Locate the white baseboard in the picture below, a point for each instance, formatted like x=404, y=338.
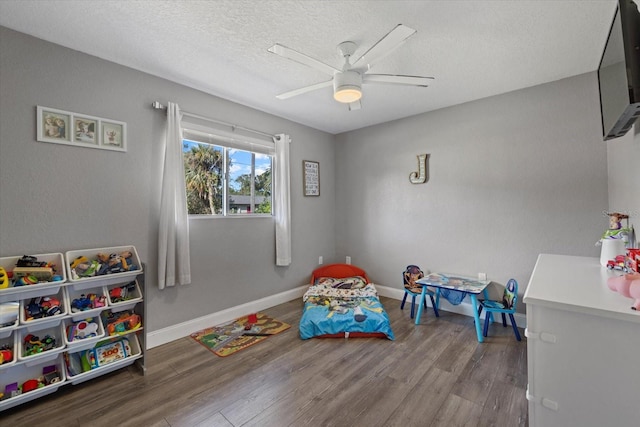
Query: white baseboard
x=184, y=329
x=464, y=308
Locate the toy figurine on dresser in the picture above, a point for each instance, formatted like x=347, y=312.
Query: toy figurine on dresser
x=627, y=285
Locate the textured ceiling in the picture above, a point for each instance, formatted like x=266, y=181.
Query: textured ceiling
x=474, y=49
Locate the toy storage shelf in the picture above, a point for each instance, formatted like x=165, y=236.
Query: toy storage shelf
x=67, y=288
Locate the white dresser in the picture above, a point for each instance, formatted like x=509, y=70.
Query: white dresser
x=583, y=346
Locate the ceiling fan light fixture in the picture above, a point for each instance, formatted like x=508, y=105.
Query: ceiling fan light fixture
x=347, y=94
x=347, y=86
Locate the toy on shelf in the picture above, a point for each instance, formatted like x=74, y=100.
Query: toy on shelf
x=627, y=263
x=29, y=265
x=28, y=271
x=83, y=267
x=632, y=261
x=49, y=376
x=615, y=240
x=34, y=345
x=123, y=293
x=81, y=330
x=627, y=285
x=120, y=323
x=42, y=307
x=6, y=354
x=101, y=355
x=88, y=302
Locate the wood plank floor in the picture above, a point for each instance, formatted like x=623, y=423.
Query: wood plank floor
x=433, y=374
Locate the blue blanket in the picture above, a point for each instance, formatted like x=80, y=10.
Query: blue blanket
x=329, y=310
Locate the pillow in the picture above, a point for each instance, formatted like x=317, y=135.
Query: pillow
x=355, y=282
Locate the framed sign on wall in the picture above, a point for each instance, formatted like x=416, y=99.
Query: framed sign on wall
x=311, y=178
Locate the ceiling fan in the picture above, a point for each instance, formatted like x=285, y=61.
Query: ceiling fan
x=347, y=82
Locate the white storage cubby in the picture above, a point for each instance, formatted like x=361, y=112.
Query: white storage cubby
x=135, y=354
x=16, y=323
x=72, y=294
x=105, y=279
x=9, y=315
x=35, y=324
x=21, y=373
x=9, y=342
x=75, y=343
x=57, y=347
x=15, y=293
x=133, y=296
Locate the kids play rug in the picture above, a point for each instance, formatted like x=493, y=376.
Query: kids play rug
x=225, y=340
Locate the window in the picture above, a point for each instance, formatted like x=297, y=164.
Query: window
x=226, y=177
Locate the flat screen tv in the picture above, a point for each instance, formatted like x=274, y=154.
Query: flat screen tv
x=619, y=72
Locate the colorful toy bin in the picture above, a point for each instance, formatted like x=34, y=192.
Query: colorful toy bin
x=32, y=280
x=103, y=266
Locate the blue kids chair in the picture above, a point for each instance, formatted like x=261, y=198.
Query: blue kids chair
x=506, y=306
x=409, y=277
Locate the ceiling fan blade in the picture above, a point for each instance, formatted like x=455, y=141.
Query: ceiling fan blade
x=384, y=46
x=305, y=89
x=356, y=105
x=394, y=79
x=301, y=58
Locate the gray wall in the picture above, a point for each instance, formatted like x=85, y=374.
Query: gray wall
x=511, y=176
x=623, y=156
x=55, y=198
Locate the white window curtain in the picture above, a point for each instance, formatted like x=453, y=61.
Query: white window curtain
x=282, y=202
x=174, y=266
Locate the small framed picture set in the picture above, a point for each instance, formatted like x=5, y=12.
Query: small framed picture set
x=86, y=130
x=54, y=125
x=81, y=130
x=113, y=135
x=311, y=178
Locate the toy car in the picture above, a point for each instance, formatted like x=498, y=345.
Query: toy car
x=617, y=263
x=30, y=261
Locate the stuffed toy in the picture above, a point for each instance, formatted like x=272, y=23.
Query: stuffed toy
x=628, y=286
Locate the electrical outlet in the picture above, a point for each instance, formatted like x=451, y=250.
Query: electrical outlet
x=482, y=276
x=348, y=260
x=320, y=260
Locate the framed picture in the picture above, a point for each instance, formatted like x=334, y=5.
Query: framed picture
x=65, y=127
x=86, y=129
x=54, y=125
x=311, y=178
x=113, y=135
